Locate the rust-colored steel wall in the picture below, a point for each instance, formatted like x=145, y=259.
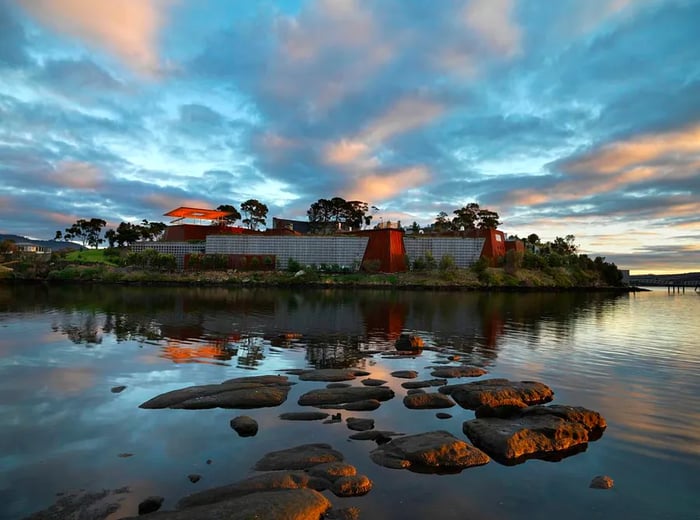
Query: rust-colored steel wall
x=386, y=246
x=494, y=243
x=184, y=232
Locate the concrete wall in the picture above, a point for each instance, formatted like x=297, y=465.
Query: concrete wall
x=465, y=251
x=178, y=249
x=307, y=250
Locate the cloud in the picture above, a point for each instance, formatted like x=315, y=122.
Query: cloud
x=13, y=40
x=128, y=30
x=378, y=187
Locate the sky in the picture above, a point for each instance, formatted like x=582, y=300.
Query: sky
x=576, y=117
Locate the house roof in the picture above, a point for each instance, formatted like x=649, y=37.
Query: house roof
x=206, y=214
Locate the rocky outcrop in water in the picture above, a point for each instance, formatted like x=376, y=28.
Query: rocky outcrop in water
x=437, y=451
x=409, y=342
x=498, y=392
x=545, y=432
x=424, y=401
x=332, y=374
x=241, y=392
x=460, y=371
x=405, y=374
x=352, y=394
x=245, y=426
x=303, y=416
x=424, y=384
x=299, y=457
x=602, y=482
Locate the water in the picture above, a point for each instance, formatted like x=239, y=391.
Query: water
x=633, y=358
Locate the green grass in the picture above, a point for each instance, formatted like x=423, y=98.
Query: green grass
x=93, y=256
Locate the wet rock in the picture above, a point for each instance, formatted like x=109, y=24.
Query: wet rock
x=345, y=395
x=413, y=391
x=331, y=471
x=150, y=504
x=332, y=374
x=425, y=401
x=424, y=384
x=409, y=342
x=286, y=504
x=242, y=392
x=117, y=389
x=437, y=451
x=338, y=385
x=373, y=382
x=359, y=425
x=82, y=505
x=461, y=371
x=335, y=418
x=443, y=415
x=303, y=416
x=276, y=480
x=298, y=457
x=498, y=392
x=352, y=486
x=405, y=374
x=366, y=405
x=209, y=461
x=454, y=358
x=545, y=432
x=244, y=425
x=601, y=482
x=125, y=455
x=504, y=411
x=295, y=371
x=346, y=513
x=194, y=478
x=379, y=436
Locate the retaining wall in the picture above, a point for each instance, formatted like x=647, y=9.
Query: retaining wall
x=465, y=250
x=177, y=249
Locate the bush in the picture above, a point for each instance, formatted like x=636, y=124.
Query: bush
x=430, y=262
x=419, y=264
x=480, y=265
x=513, y=261
x=534, y=261
x=151, y=259
x=371, y=266
x=447, y=262
x=293, y=266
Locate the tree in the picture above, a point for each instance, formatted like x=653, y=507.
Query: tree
x=441, y=222
x=255, y=213
x=233, y=217
x=87, y=231
x=151, y=231
x=533, y=239
x=328, y=215
x=487, y=219
x=111, y=237
x=564, y=246
x=415, y=228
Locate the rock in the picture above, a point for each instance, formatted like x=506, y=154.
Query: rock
x=373, y=382
x=601, y=482
x=352, y=486
x=285, y=504
x=413, y=391
x=405, y=374
x=209, y=461
x=194, y=478
x=345, y=395
x=366, y=405
x=98, y=505
x=437, y=451
x=275, y=480
x=346, y=513
x=498, y=392
x=359, y=425
x=242, y=392
x=117, y=389
x=442, y=415
x=245, y=426
x=460, y=371
x=299, y=457
x=380, y=436
x=332, y=374
x=331, y=471
x=504, y=411
x=125, y=455
x=335, y=418
x=303, y=416
x=544, y=432
x=150, y=504
x=424, y=384
x=409, y=342
x=454, y=358
x=338, y=385
x=430, y=400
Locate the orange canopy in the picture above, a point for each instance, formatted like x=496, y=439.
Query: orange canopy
x=207, y=214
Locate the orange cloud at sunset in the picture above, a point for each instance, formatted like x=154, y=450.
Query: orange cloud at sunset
x=377, y=187
x=78, y=175
x=128, y=30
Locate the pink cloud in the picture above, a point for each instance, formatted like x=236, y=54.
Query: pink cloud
x=492, y=21
x=128, y=30
x=374, y=187
x=78, y=175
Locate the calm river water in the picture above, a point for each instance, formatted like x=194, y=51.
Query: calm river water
x=633, y=358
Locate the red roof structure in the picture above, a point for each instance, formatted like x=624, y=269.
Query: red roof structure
x=200, y=213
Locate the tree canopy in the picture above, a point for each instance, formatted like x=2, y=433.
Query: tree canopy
x=254, y=212
x=86, y=231
x=127, y=233
x=327, y=215
x=233, y=217
x=467, y=218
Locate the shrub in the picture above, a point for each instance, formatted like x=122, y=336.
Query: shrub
x=480, y=265
x=513, y=261
x=293, y=266
x=447, y=262
x=534, y=261
x=371, y=266
x=430, y=262
x=151, y=259
x=419, y=264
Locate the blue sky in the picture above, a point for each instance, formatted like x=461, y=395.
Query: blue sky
x=566, y=117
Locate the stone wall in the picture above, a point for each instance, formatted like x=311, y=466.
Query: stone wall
x=465, y=251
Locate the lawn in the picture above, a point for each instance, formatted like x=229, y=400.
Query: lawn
x=96, y=256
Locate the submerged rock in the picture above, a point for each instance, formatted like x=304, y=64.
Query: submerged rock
x=404, y=374
x=460, y=371
x=359, y=425
x=338, y=385
x=303, y=416
x=244, y=425
x=431, y=452
x=424, y=384
x=345, y=513
x=545, y=432
x=379, y=436
x=242, y=392
x=423, y=401
x=97, y=505
x=298, y=457
x=366, y=405
x=150, y=505
x=602, y=482
x=345, y=395
x=373, y=382
x=442, y=415
x=286, y=504
x=117, y=389
x=332, y=374
x=498, y=392
x=194, y=478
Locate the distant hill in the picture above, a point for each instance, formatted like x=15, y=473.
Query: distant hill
x=54, y=245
